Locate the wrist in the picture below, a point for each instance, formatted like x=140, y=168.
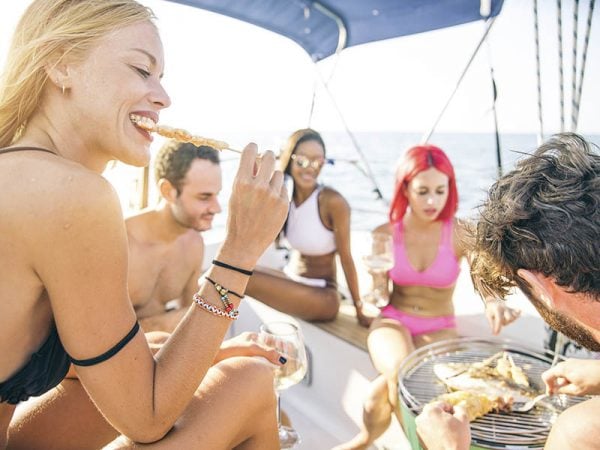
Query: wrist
x=236, y=255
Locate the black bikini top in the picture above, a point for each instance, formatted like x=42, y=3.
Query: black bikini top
x=46, y=368
x=50, y=364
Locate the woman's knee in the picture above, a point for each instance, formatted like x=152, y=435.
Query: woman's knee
x=251, y=375
x=331, y=308
x=576, y=427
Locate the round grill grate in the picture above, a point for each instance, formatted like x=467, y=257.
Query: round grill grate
x=418, y=385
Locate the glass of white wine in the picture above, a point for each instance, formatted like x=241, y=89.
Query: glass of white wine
x=286, y=338
x=379, y=261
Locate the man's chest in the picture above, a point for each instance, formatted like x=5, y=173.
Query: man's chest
x=157, y=275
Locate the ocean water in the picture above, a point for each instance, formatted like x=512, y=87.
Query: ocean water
x=473, y=157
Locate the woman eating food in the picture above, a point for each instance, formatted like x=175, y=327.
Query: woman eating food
x=76, y=74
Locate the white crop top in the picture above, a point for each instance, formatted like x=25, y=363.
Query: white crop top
x=304, y=230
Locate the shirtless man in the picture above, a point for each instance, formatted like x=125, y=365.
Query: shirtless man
x=165, y=245
x=540, y=231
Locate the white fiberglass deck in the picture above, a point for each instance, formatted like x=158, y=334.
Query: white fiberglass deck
x=329, y=411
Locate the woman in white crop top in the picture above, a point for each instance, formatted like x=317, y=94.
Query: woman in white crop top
x=317, y=228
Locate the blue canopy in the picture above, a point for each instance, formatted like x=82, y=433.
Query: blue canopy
x=320, y=27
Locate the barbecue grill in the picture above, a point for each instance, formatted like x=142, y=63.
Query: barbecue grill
x=418, y=385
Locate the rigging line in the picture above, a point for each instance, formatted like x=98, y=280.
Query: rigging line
x=367, y=168
x=427, y=135
x=574, y=66
x=342, y=41
x=495, y=112
x=312, y=103
x=586, y=42
x=315, y=85
x=561, y=77
x=540, y=136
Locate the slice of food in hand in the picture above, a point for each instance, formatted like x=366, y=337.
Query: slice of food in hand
x=476, y=404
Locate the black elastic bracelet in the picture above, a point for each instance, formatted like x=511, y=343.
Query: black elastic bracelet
x=111, y=352
x=219, y=287
x=230, y=267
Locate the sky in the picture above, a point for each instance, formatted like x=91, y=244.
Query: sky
x=223, y=74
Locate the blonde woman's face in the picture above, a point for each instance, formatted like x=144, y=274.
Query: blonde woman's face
x=120, y=76
x=427, y=194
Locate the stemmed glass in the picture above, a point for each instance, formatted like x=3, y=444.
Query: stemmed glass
x=287, y=339
x=379, y=261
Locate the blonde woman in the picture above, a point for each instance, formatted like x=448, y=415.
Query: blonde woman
x=76, y=74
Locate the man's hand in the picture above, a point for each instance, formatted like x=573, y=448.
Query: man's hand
x=499, y=315
x=245, y=344
x=573, y=377
x=442, y=427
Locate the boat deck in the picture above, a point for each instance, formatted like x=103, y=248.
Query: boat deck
x=326, y=408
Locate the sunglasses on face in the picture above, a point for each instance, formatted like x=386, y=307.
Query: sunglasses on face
x=305, y=163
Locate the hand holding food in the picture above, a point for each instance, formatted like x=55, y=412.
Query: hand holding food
x=574, y=377
x=257, y=208
x=258, y=204
x=443, y=427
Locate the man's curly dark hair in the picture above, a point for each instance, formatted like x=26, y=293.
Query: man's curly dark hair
x=543, y=216
x=175, y=158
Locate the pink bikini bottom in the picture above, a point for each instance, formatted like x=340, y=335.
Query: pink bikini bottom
x=418, y=324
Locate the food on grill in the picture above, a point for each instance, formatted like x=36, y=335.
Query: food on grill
x=492, y=384
x=176, y=133
x=476, y=404
x=508, y=369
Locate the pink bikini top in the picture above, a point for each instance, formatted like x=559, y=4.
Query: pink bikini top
x=442, y=273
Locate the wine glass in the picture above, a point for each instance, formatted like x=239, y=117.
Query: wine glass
x=379, y=261
x=287, y=339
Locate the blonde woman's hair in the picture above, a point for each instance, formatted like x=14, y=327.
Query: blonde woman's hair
x=49, y=30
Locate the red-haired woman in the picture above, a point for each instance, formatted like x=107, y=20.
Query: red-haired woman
x=427, y=241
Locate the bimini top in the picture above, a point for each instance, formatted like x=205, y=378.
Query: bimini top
x=321, y=27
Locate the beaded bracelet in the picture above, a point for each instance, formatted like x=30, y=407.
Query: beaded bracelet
x=232, y=314
x=230, y=267
x=223, y=291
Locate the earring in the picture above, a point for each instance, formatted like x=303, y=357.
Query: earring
x=63, y=89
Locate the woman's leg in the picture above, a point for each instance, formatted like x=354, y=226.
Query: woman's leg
x=576, y=428
x=234, y=407
x=62, y=419
x=291, y=297
x=56, y=419
x=389, y=343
